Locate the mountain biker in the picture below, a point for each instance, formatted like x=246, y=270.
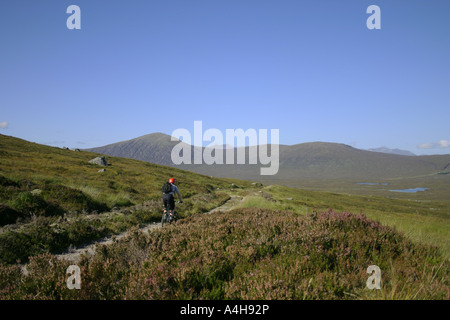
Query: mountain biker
x=168, y=198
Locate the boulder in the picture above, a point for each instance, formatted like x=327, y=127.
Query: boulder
x=101, y=161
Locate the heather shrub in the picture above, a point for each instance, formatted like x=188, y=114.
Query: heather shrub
x=261, y=254
x=248, y=254
x=46, y=280
x=10, y=282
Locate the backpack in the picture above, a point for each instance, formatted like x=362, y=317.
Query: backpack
x=167, y=187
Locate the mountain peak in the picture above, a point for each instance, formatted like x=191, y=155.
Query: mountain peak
x=310, y=160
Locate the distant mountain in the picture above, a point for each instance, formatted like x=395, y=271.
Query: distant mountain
x=154, y=148
x=312, y=161
x=392, y=151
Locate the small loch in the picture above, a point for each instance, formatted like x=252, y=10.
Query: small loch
x=413, y=190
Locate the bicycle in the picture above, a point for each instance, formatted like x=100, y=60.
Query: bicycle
x=169, y=216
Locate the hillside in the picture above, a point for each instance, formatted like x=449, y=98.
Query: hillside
x=61, y=201
x=123, y=182
x=315, y=165
x=52, y=198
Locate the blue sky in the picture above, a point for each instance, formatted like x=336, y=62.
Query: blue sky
x=311, y=69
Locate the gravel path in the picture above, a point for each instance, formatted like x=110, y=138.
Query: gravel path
x=75, y=255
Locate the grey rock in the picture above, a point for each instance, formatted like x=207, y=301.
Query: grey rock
x=101, y=161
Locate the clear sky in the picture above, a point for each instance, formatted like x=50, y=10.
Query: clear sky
x=311, y=69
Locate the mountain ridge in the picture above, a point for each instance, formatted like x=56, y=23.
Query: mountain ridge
x=310, y=160
x=392, y=151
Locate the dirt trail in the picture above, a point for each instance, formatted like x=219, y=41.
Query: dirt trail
x=75, y=255
x=229, y=204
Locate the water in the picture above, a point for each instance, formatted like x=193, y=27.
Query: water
x=414, y=190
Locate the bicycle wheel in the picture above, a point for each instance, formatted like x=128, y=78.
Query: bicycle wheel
x=163, y=219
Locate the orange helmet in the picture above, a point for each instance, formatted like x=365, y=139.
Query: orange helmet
x=171, y=180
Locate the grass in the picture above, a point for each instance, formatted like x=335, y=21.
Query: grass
x=438, y=186
x=278, y=243
x=41, y=186
x=258, y=201
x=413, y=218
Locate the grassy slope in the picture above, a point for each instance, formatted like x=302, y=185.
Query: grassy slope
x=127, y=182
x=427, y=222
x=74, y=202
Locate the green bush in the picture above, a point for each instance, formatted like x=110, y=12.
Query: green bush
x=9, y=215
x=34, y=205
x=72, y=199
